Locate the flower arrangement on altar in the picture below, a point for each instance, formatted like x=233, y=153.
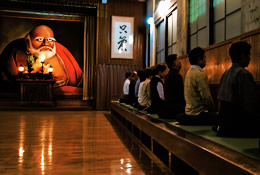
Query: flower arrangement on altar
x=36, y=68
x=30, y=61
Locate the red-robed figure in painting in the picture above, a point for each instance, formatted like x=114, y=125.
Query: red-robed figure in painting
x=37, y=43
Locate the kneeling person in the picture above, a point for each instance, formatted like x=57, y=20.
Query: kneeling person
x=238, y=95
x=199, y=109
x=157, y=89
x=173, y=88
x=144, y=92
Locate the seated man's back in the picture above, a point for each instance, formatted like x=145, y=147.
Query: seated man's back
x=238, y=96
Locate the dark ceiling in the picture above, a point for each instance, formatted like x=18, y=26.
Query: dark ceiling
x=57, y=6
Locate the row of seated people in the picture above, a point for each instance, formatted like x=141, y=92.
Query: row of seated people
x=162, y=91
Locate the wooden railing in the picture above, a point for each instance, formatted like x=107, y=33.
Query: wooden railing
x=182, y=150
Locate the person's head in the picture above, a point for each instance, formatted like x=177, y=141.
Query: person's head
x=173, y=62
x=134, y=75
x=161, y=70
x=41, y=41
x=127, y=75
x=148, y=72
x=240, y=53
x=141, y=75
x=197, y=57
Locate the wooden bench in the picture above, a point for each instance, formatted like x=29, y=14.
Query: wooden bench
x=194, y=149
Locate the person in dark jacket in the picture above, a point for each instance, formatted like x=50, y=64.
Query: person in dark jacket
x=238, y=95
x=131, y=95
x=173, y=89
x=157, y=89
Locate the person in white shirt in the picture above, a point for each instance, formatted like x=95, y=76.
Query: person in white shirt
x=126, y=88
x=126, y=83
x=141, y=78
x=144, y=92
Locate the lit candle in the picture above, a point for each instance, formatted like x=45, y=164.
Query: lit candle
x=50, y=69
x=42, y=58
x=21, y=68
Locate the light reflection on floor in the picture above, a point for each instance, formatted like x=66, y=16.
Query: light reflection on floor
x=67, y=143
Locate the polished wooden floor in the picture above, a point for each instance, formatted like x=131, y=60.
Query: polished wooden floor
x=68, y=143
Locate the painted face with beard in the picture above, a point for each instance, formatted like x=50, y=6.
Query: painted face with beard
x=41, y=41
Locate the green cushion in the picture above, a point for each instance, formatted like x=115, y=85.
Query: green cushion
x=248, y=146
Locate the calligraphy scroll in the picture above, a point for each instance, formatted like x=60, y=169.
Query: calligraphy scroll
x=122, y=37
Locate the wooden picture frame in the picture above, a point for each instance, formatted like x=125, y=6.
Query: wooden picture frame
x=122, y=37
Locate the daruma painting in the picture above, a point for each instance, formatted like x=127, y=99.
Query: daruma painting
x=38, y=51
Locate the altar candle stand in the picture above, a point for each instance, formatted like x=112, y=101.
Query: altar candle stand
x=21, y=70
x=50, y=69
x=42, y=58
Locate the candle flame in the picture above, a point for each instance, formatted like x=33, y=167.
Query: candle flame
x=21, y=68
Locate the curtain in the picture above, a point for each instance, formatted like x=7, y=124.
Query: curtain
x=110, y=80
x=89, y=57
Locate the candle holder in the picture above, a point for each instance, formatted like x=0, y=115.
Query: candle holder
x=42, y=58
x=21, y=70
x=50, y=69
x=42, y=66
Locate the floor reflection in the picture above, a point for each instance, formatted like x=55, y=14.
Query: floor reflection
x=46, y=137
x=144, y=161
x=68, y=143
x=21, y=143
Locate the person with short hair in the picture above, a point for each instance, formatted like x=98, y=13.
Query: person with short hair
x=144, y=92
x=157, y=89
x=173, y=88
x=141, y=78
x=131, y=95
x=124, y=99
x=200, y=107
x=239, y=99
x=126, y=83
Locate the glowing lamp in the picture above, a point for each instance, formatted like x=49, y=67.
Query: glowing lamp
x=163, y=7
x=21, y=68
x=150, y=20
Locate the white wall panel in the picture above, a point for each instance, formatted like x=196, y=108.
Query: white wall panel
x=219, y=31
x=233, y=25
